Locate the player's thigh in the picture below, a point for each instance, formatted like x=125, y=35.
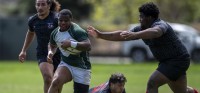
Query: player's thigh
x=173, y=69
x=46, y=69
x=157, y=79
x=82, y=76
x=180, y=85
x=63, y=74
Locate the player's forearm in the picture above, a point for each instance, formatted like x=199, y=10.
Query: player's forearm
x=28, y=40
x=84, y=46
x=52, y=48
x=112, y=36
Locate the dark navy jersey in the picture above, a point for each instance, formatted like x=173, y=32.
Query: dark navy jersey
x=43, y=28
x=166, y=47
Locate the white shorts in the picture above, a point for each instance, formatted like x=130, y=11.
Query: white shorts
x=79, y=75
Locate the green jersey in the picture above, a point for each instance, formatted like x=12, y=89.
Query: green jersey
x=72, y=56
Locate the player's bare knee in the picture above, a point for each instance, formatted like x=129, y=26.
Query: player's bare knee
x=47, y=79
x=151, y=84
x=56, y=82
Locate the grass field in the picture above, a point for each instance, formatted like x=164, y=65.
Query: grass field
x=16, y=77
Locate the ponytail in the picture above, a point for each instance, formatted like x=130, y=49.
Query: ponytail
x=55, y=5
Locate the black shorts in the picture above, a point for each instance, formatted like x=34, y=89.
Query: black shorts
x=173, y=69
x=42, y=57
x=80, y=88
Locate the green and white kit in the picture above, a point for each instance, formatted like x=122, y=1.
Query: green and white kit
x=71, y=55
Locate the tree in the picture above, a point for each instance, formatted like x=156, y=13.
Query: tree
x=81, y=9
x=179, y=10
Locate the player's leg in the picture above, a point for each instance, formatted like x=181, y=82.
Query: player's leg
x=191, y=90
x=80, y=88
x=47, y=74
x=81, y=79
x=46, y=68
x=156, y=80
x=179, y=86
x=56, y=60
x=61, y=76
x=177, y=75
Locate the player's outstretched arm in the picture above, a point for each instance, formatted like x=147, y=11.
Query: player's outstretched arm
x=112, y=36
x=149, y=33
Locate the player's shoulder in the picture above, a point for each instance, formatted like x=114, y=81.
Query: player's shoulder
x=136, y=28
x=54, y=14
x=33, y=18
x=75, y=25
x=77, y=28
x=159, y=22
x=55, y=31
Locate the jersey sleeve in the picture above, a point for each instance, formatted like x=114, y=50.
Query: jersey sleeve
x=136, y=29
x=82, y=35
x=30, y=24
x=78, y=33
x=103, y=88
x=162, y=26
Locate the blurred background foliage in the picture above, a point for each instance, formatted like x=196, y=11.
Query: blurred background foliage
x=105, y=15
x=111, y=14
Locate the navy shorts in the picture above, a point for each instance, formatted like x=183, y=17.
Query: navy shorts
x=80, y=88
x=174, y=69
x=42, y=57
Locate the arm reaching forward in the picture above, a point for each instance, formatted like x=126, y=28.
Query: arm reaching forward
x=112, y=36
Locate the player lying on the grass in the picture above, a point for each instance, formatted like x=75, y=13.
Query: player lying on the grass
x=74, y=45
x=173, y=57
x=115, y=84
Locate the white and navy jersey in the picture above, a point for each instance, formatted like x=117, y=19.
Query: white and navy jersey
x=43, y=28
x=166, y=47
x=72, y=56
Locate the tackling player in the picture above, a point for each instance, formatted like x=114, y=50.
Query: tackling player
x=173, y=57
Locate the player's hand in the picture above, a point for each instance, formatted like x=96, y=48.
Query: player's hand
x=49, y=57
x=126, y=34
x=92, y=31
x=22, y=57
x=65, y=44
